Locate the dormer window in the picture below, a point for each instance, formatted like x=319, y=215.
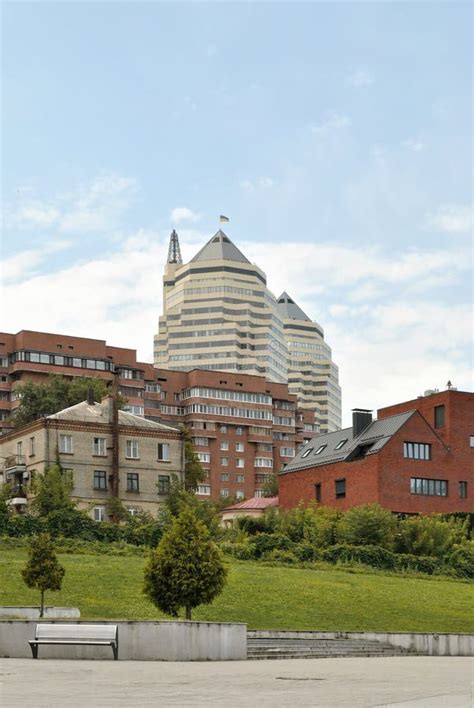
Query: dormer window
x=307, y=452
x=340, y=444
x=320, y=449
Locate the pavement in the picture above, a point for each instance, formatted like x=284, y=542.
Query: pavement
x=396, y=682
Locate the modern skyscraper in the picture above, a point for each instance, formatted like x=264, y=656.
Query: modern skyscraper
x=219, y=314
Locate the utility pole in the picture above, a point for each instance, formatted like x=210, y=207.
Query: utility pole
x=114, y=478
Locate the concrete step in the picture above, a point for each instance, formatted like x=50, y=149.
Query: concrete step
x=292, y=648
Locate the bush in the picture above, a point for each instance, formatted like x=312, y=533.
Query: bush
x=306, y=552
x=431, y=535
x=268, y=523
x=367, y=525
x=313, y=524
x=266, y=542
x=281, y=556
x=461, y=561
x=420, y=564
x=243, y=550
x=375, y=556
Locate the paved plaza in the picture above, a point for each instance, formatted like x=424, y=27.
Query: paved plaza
x=401, y=682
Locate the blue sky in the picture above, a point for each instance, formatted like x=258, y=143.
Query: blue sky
x=336, y=136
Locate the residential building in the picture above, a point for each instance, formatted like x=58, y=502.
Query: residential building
x=259, y=420
x=218, y=314
x=82, y=439
x=417, y=457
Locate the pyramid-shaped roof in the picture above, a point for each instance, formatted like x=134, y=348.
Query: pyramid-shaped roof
x=85, y=412
x=289, y=310
x=219, y=248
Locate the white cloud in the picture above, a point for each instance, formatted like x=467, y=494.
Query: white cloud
x=250, y=186
x=360, y=79
x=32, y=215
x=180, y=214
x=452, y=218
x=331, y=122
x=25, y=262
x=413, y=144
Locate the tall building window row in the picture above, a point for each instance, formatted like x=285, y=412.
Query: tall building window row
x=429, y=487
x=61, y=360
x=225, y=410
x=197, y=392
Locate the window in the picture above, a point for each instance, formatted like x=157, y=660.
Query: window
x=259, y=493
x=340, y=444
x=201, y=441
x=239, y=494
x=239, y=431
x=463, y=490
x=340, y=488
x=100, y=480
x=239, y=462
x=287, y=452
x=164, y=452
x=224, y=461
x=224, y=477
x=438, y=416
x=417, y=451
x=65, y=444
x=471, y=441
x=224, y=445
x=19, y=448
x=307, y=452
x=204, y=489
x=99, y=447
x=263, y=462
x=133, y=511
x=99, y=513
x=203, y=456
x=240, y=479
x=223, y=429
x=317, y=491
x=132, y=449
x=132, y=482
x=224, y=493
x=126, y=374
x=32, y=446
x=239, y=447
x=429, y=487
x=320, y=449
x=163, y=484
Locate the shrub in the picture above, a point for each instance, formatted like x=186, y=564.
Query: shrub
x=420, y=564
x=266, y=542
x=306, y=552
x=241, y=550
x=367, y=525
x=42, y=570
x=313, y=524
x=431, y=535
x=281, y=556
x=375, y=556
x=461, y=561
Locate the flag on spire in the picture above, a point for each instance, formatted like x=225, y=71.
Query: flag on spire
x=223, y=219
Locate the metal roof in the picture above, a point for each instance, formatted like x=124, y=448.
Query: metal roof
x=370, y=441
x=85, y=412
x=257, y=503
x=220, y=248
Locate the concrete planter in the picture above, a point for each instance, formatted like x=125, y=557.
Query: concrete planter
x=140, y=641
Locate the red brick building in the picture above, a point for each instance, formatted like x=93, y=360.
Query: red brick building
x=243, y=427
x=417, y=457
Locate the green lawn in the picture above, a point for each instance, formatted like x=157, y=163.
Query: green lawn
x=264, y=597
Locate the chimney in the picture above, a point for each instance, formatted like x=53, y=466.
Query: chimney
x=90, y=396
x=361, y=418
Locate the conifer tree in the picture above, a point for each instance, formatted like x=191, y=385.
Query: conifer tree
x=186, y=570
x=42, y=571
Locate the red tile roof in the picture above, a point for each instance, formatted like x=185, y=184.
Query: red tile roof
x=259, y=503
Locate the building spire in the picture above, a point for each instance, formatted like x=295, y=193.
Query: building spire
x=174, y=251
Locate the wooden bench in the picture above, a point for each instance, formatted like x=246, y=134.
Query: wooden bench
x=75, y=634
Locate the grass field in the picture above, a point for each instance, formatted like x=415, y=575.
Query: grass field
x=107, y=586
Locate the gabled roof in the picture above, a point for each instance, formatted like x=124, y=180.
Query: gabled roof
x=370, y=441
x=85, y=412
x=220, y=248
x=256, y=503
x=289, y=310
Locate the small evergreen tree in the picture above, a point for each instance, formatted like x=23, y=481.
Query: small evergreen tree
x=42, y=571
x=186, y=570
x=194, y=473
x=52, y=492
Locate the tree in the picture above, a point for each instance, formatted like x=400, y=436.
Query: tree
x=186, y=570
x=42, y=571
x=270, y=488
x=53, y=492
x=194, y=473
x=368, y=524
x=40, y=399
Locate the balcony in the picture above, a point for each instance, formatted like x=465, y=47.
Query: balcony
x=15, y=464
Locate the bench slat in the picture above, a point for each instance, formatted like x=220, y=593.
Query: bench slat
x=76, y=642
x=76, y=631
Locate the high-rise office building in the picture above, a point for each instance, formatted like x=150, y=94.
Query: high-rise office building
x=219, y=314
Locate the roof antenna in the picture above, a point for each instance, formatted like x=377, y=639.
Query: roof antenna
x=449, y=385
x=174, y=251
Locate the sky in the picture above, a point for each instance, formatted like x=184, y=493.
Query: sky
x=337, y=138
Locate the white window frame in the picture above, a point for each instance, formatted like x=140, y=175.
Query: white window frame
x=204, y=490
x=99, y=513
x=131, y=448
x=66, y=444
x=239, y=447
x=166, y=452
x=240, y=462
x=99, y=449
x=224, y=445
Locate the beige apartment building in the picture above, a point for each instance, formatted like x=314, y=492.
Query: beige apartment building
x=218, y=314
x=82, y=439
